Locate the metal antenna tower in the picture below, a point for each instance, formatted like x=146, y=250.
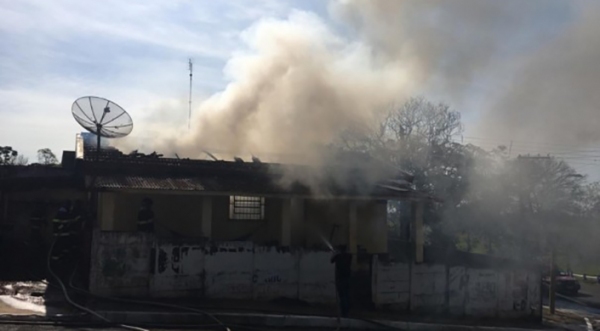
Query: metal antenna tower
x=191, y=68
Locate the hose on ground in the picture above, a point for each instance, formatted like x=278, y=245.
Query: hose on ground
x=149, y=303
x=76, y=305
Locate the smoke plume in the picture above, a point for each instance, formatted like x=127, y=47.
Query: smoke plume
x=300, y=82
x=554, y=95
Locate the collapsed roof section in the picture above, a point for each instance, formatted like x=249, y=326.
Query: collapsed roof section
x=117, y=171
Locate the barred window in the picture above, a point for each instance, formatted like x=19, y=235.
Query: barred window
x=246, y=208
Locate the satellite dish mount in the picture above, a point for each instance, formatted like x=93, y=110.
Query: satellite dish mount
x=103, y=118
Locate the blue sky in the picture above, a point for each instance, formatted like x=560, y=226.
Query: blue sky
x=135, y=53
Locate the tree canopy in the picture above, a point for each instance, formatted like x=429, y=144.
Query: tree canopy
x=45, y=156
x=505, y=205
x=9, y=156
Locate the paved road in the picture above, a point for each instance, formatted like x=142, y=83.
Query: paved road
x=6, y=327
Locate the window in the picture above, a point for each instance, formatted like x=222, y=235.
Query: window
x=246, y=208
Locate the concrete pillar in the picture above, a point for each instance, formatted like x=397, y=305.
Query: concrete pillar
x=297, y=228
x=106, y=211
x=285, y=237
x=418, y=237
x=379, y=235
x=352, y=227
x=207, y=203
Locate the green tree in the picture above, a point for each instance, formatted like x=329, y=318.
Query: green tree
x=9, y=156
x=417, y=136
x=45, y=156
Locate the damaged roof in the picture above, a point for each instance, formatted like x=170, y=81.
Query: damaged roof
x=116, y=171
x=120, y=172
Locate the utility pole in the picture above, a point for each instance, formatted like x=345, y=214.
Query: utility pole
x=552, y=296
x=191, y=68
x=552, y=289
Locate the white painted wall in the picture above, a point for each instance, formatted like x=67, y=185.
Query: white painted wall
x=391, y=284
x=238, y=270
x=316, y=277
x=120, y=264
x=178, y=270
x=457, y=290
x=228, y=270
x=275, y=274
x=428, y=287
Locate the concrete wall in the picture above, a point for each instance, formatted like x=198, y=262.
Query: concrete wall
x=177, y=270
x=227, y=270
x=457, y=290
x=121, y=264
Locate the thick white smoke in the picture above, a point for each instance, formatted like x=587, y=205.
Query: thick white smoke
x=299, y=82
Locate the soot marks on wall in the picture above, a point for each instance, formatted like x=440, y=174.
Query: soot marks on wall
x=120, y=264
x=237, y=270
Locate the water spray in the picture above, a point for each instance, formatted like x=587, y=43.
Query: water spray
x=325, y=241
x=322, y=237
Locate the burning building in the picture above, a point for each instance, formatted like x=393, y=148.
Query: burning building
x=251, y=231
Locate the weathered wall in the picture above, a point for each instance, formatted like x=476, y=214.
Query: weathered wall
x=428, y=288
x=228, y=268
x=275, y=273
x=120, y=263
x=232, y=270
x=316, y=277
x=457, y=290
x=177, y=270
x=391, y=284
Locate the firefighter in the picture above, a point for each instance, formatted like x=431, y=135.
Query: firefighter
x=145, y=222
x=75, y=228
x=343, y=263
x=61, y=232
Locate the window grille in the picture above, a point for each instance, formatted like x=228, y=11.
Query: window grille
x=246, y=208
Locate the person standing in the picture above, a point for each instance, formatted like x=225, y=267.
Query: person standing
x=145, y=222
x=343, y=270
x=63, y=236
x=77, y=217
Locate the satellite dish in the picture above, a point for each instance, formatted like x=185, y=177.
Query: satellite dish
x=102, y=117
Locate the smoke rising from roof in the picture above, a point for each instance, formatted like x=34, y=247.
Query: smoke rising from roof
x=301, y=82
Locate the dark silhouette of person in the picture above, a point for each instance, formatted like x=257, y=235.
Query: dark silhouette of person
x=343, y=270
x=78, y=216
x=145, y=222
x=63, y=238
